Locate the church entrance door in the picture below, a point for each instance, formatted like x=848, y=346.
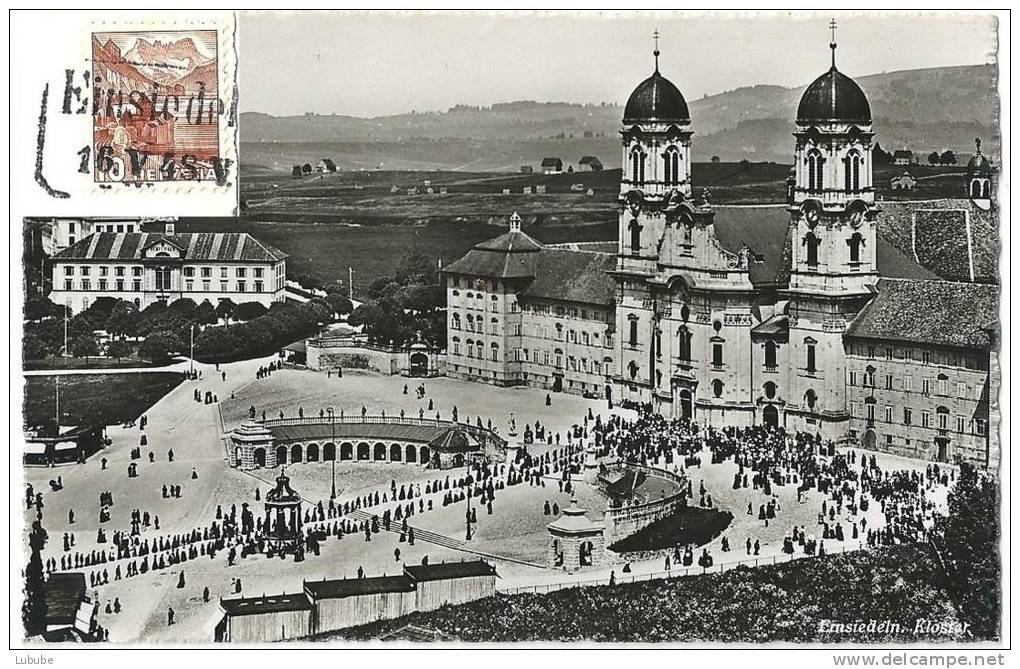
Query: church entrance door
x=419, y=364
x=686, y=405
x=770, y=415
x=942, y=449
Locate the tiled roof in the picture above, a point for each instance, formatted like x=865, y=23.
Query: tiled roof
x=266, y=604
x=352, y=587
x=766, y=232
x=358, y=431
x=65, y=592
x=573, y=276
x=930, y=312
x=443, y=570
x=197, y=246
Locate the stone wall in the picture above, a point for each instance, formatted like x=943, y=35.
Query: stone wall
x=625, y=521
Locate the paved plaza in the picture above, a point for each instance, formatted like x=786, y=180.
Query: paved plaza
x=514, y=534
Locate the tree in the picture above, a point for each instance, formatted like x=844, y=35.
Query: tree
x=34, y=608
x=249, y=311
x=40, y=308
x=415, y=267
x=34, y=348
x=715, y=159
x=158, y=346
x=339, y=304
x=947, y=157
x=185, y=306
x=225, y=309
x=879, y=156
x=124, y=319
x=118, y=349
x=85, y=346
x=295, y=171
x=205, y=314
x=934, y=158
x=970, y=534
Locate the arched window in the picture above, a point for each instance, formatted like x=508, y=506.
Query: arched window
x=770, y=355
x=456, y=321
x=811, y=246
x=810, y=399
x=495, y=352
x=637, y=166
x=633, y=369
x=635, y=237
x=853, y=172
x=657, y=343
x=814, y=165
x=717, y=388
x=470, y=348
x=809, y=349
x=633, y=334
x=671, y=171
x=684, y=343
x=855, y=243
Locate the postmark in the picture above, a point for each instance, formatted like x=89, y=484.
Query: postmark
x=131, y=113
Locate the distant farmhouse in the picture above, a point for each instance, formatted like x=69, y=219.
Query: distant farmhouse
x=903, y=157
x=904, y=181
x=527, y=169
x=325, y=165
x=552, y=166
x=590, y=164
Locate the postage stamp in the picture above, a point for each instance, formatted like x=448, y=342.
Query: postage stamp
x=133, y=113
x=156, y=106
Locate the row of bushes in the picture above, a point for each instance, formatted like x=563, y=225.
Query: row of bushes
x=284, y=323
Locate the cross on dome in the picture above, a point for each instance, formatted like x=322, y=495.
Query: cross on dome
x=655, y=36
x=832, y=42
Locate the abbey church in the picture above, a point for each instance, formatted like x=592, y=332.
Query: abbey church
x=799, y=316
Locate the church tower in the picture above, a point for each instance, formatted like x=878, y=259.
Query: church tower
x=833, y=229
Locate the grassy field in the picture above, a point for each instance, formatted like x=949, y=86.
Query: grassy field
x=108, y=399
x=325, y=250
x=95, y=362
x=785, y=603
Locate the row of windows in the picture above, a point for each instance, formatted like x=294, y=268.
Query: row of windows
x=906, y=384
x=239, y=272
x=942, y=419
x=852, y=172
x=103, y=270
x=162, y=284
x=811, y=243
x=120, y=270
x=924, y=356
x=672, y=174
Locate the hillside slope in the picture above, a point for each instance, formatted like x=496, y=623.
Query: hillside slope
x=927, y=109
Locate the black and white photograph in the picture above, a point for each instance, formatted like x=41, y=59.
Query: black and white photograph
x=572, y=329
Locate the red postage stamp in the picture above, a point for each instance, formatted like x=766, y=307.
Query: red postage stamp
x=156, y=106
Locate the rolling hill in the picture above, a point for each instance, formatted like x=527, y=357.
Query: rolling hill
x=924, y=110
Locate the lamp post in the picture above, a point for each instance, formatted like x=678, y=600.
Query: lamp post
x=332, y=434
x=192, y=356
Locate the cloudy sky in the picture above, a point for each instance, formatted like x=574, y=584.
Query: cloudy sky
x=380, y=64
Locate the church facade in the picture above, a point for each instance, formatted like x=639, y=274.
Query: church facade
x=729, y=315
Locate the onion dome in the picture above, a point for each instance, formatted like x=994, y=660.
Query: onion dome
x=834, y=98
x=656, y=99
x=978, y=165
